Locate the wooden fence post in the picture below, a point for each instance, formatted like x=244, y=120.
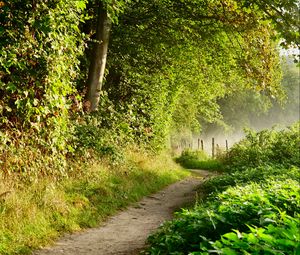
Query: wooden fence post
x=213, y=147
x=226, y=146
x=198, y=143
x=202, y=147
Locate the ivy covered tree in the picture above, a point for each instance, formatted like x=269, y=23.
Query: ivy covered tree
x=39, y=49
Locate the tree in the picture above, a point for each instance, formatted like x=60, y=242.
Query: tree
x=106, y=13
x=98, y=59
x=194, y=20
x=170, y=56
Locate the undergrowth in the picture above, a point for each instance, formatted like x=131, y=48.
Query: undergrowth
x=253, y=208
x=198, y=160
x=33, y=214
x=267, y=147
x=237, y=208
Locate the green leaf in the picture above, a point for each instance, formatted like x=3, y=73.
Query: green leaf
x=229, y=251
x=81, y=4
x=231, y=236
x=251, y=238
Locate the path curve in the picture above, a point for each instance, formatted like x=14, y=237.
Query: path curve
x=126, y=232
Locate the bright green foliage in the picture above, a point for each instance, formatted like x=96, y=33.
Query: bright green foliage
x=38, y=62
x=252, y=209
x=39, y=49
x=248, y=175
x=197, y=160
x=169, y=63
x=267, y=147
x=170, y=67
x=284, y=15
x=248, y=108
x=263, y=205
x=280, y=239
x=287, y=113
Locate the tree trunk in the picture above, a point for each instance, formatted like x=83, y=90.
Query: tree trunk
x=98, y=59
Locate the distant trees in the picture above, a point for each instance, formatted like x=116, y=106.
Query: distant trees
x=248, y=108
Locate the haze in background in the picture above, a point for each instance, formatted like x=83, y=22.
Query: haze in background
x=255, y=111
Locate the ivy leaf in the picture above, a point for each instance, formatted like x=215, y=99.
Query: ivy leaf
x=81, y=4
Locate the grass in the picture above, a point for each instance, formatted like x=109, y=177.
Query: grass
x=198, y=160
x=210, y=164
x=34, y=214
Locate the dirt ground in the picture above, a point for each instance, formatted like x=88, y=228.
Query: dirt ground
x=126, y=232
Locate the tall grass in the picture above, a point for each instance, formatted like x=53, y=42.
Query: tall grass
x=198, y=160
x=36, y=213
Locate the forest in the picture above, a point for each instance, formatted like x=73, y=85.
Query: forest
x=97, y=98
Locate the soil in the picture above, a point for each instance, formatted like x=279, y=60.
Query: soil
x=126, y=232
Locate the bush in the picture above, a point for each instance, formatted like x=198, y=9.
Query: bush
x=236, y=208
x=282, y=238
x=257, y=211
x=266, y=147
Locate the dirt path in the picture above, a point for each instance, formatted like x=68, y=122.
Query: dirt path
x=126, y=232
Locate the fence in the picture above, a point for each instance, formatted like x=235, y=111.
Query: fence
x=212, y=147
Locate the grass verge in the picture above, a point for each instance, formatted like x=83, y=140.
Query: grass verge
x=198, y=160
x=36, y=213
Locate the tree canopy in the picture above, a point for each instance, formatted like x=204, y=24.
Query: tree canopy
x=169, y=63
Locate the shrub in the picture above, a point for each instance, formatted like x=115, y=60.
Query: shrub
x=280, y=238
x=258, y=174
x=266, y=147
x=257, y=211
x=235, y=208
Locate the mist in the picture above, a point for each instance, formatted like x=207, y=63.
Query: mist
x=247, y=110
